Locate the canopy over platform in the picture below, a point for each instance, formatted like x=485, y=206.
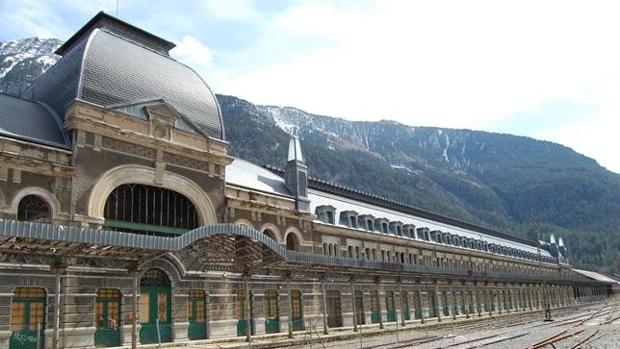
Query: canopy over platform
x=226, y=247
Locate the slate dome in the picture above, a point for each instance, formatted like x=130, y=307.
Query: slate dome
x=110, y=62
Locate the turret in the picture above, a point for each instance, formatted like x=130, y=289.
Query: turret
x=296, y=174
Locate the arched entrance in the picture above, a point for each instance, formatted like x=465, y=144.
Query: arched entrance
x=28, y=318
x=155, y=307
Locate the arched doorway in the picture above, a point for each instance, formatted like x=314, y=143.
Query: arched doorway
x=291, y=242
x=108, y=317
x=28, y=318
x=197, y=314
x=33, y=208
x=155, y=307
x=145, y=209
x=334, y=309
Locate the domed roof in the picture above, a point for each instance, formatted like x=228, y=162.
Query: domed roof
x=109, y=65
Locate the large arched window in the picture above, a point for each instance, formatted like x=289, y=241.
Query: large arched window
x=145, y=209
x=291, y=242
x=33, y=208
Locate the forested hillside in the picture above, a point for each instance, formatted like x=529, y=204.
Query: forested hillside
x=514, y=184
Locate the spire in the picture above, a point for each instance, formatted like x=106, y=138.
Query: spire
x=296, y=174
x=560, y=242
x=552, y=239
x=294, y=148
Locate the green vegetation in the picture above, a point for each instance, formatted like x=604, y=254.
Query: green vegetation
x=500, y=181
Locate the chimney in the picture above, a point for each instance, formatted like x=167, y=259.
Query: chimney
x=296, y=174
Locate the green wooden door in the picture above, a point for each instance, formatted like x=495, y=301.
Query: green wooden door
x=197, y=311
x=389, y=306
x=155, y=304
x=272, y=315
x=108, y=317
x=242, y=324
x=297, y=306
x=28, y=319
x=404, y=298
x=375, y=312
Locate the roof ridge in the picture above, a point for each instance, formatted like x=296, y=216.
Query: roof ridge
x=402, y=207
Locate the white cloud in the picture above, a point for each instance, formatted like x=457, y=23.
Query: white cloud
x=443, y=63
x=193, y=53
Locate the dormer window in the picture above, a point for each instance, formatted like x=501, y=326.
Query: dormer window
x=382, y=224
x=396, y=228
x=423, y=234
x=409, y=230
x=326, y=214
x=366, y=221
x=349, y=219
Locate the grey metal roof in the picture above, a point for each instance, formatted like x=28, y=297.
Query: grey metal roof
x=30, y=121
x=107, y=69
x=246, y=174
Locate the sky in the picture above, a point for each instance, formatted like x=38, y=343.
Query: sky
x=544, y=69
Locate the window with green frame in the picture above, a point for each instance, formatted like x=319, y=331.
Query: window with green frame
x=145, y=209
x=28, y=309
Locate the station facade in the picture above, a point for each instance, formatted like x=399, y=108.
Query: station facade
x=125, y=222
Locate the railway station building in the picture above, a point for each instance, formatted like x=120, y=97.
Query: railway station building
x=123, y=222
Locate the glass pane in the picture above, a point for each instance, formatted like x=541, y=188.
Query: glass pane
x=36, y=315
x=296, y=303
x=162, y=307
x=113, y=314
x=145, y=310
x=99, y=314
x=18, y=311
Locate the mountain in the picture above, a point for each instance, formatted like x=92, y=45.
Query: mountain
x=514, y=184
x=21, y=61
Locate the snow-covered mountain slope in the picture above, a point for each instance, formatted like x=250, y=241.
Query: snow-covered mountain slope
x=21, y=61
